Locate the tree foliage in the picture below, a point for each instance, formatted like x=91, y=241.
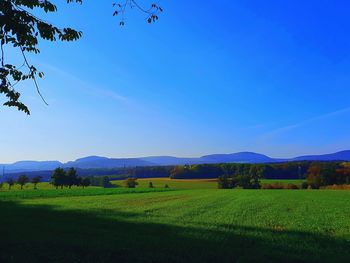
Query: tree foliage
x=20, y=29
x=328, y=173
x=62, y=178
x=35, y=180
x=22, y=180
x=10, y=182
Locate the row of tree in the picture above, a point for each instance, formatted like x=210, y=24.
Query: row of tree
x=287, y=170
x=22, y=180
x=62, y=178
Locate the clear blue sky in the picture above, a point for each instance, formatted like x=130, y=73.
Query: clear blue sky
x=209, y=77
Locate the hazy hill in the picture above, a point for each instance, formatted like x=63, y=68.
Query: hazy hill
x=104, y=162
x=30, y=166
x=338, y=156
x=241, y=157
x=97, y=162
x=170, y=160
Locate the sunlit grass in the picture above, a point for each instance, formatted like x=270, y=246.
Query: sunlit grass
x=197, y=225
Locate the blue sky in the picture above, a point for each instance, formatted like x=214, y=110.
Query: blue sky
x=265, y=76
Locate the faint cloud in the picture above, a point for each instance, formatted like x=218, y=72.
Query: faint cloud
x=287, y=128
x=96, y=91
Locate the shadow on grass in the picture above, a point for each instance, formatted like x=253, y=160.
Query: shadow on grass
x=43, y=234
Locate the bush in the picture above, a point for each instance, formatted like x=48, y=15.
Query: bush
x=166, y=186
x=131, y=182
x=223, y=182
x=336, y=187
x=150, y=185
x=304, y=185
x=266, y=186
x=279, y=186
x=273, y=186
x=291, y=186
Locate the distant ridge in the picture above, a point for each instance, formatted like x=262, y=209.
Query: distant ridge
x=241, y=157
x=98, y=162
x=341, y=156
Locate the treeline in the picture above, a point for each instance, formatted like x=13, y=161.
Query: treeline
x=319, y=175
x=288, y=170
x=322, y=174
x=22, y=180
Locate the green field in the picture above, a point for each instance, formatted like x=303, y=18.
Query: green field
x=297, y=182
x=196, y=183
x=169, y=225
x=175, y=183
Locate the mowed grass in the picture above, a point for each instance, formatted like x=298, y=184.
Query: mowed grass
x=173, y=183
x=197, y=183
x=297, y=182
x=199, y=225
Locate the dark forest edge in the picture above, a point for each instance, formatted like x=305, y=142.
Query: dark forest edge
x=330, y=175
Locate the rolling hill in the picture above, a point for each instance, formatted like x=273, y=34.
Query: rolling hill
x=97, y=162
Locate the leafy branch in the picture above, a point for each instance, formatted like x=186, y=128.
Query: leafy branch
x=21, y=29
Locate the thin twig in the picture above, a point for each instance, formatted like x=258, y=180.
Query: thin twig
x=35, y=82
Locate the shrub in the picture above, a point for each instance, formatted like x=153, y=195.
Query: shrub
x=304, y=185
x=266, y=186
x=166, y=186
x=150, y=185
x=279, y=186
x=291, y=186
x=131, y=182
x=336, y=187
x=223, y=182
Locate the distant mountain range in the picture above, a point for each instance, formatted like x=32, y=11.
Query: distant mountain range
x=97, y=162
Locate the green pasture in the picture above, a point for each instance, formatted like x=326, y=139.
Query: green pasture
x=169, y=225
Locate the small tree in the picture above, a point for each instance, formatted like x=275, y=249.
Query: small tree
x=131, y=182
x=58, y=177
x=71, y=178
x=166, y=186
x=36, y=180
x=85, y=182
x=150, y=185
x=10, y=182
x=22, y=180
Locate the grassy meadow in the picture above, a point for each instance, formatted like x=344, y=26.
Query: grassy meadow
x=191, y=221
